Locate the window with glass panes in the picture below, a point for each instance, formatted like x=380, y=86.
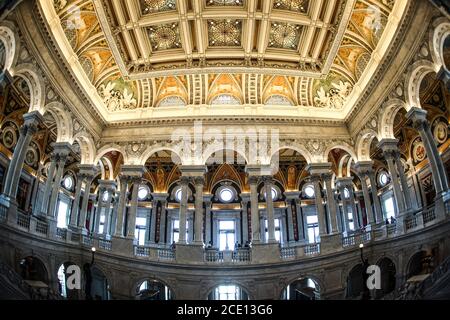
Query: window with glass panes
x=176, y=230
x=226, y=235
x=140, y=230
x=313, y=228
x=277, y=229
x=63, y=212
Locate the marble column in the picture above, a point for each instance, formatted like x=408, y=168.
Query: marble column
x=151, y=221
x=208, y=226
x=356, y=217
x=120, y=220
x=35, y=192
x=76, y=201
x=376, y=199
x=184, y=181
x=162, y=221
x=48, y=183
x=389, y=148
x=8, y=197
x=256, y=234
x=132, y=212
x=268, y=182
x=107, y=210
x=363, y=175
x=244, y=206
x=290, y=197
x=100, y=207
x=84, y=205
x=63, y=151
x=403, y=180
x=301, y=221
x=315, y=179
x=420, y=122
x=341, y=185
x=331, y=204
x=198, y=218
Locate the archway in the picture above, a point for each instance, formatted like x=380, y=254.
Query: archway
x=418, y=264
x=228, y=292
x=304, y=288
x=99, y=285
x=388, y=277
x=33, y=269
x=355, y=282
x=153, y=290
x=64, y=290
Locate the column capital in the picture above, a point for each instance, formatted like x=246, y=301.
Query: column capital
x=184, y=180
x=132, y=170
x=318, y=168
x=290, y=195
x=364, y=167
x=343, y=182
x=388, y=145
x=88, y=170
x=253, y=180
x=108, y=184
x=193, y=170
x=199, y=181
x=245, y=197
x=160, y=196
x=327, y=176
x=33, y=119
x=419, y=118
x=267, y=179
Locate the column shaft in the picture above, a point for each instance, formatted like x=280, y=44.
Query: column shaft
x=183, y=209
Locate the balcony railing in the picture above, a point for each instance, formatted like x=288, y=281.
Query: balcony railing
x=3, y=212
x=23, y=221
x=61, y=234
x=411, y=222
x=141, y=251
x=213, y=255
x=312, y=249
x=105, y=244
x=428, y=215
x=241, y=255
x=287, y=253
x=166, y=254
x=87, y=240
x=42, y=227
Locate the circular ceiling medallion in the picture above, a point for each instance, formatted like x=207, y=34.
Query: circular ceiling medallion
x=9, y=137
x=440, y=132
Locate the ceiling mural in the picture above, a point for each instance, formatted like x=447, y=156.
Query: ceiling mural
x=307, y=54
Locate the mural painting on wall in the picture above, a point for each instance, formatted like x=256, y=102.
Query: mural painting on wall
x=418, y=151
x=291, y=177
x=160, y=179
x=440, y=130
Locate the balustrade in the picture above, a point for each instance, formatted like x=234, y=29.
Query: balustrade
x=42, y=227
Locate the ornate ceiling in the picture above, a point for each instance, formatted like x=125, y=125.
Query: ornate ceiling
x=145, y=58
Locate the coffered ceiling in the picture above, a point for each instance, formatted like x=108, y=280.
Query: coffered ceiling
x=166, y=58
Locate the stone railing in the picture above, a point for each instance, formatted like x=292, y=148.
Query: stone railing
x=23, y=221
x=298, y=250
x=166, y=254
x=3, y=212
x=242, y=255
x=288, y=253
x=312, y=249
x=105, y=244
x=141, y=251
x=61, y=234
x=213, y=255
x=42, y=227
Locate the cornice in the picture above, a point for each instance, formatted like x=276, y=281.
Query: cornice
x=362, y=106
x=50, y=43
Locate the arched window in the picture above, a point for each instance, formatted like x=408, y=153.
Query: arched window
x=226, y=195
x=143, y=193
x=309, y=191
x=274, y=193
x=68, y=182
x=178, y=195
x=228, y=292
x=346, y=193
x=278, y=100
x=383, y=178
x=172, y=101
x=225, y=99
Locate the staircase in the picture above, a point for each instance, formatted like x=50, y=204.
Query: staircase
x=436, y=286
x=13, y=287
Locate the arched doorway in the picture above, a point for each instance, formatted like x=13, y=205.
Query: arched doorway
x=63, y=289
x=153, y=290
x=355, y=282
x=99, y=286
x=228, y=292
x=418, y=264
x=388, y=277
x=33, y=269
x=302, y=289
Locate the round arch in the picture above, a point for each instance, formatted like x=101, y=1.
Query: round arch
x=152, y=150
x=87, y=147
x=437, y=40
x=317, y=281
x=413, y=80
x=388, y=276
x=11, y=42
x=388, y=113
x=363, y=143
x=342, y=145
x=135, y=289
x=63, y=120
x=34, y=268
x=207, y=154
x=108, y=148
x=30, y=74
x=300, y=149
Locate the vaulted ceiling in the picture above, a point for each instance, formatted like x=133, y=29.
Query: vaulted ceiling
x=294, y=57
